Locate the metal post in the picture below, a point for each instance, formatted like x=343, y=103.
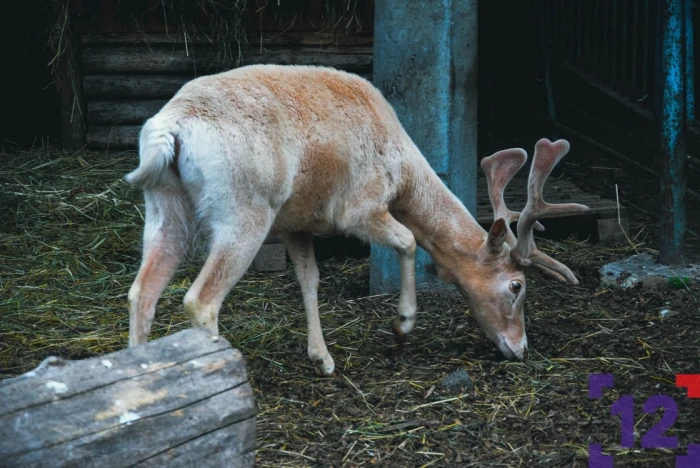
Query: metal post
x=673, y=133
x=425, y=58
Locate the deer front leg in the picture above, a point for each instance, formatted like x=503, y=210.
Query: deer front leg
x=301, y=251
x=385, y=230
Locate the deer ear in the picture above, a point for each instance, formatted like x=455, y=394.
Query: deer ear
x=497, y=235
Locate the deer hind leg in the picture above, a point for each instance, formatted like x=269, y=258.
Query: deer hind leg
x=384, y=229
x=301, y=252
x=237, y=233
x=165, y=241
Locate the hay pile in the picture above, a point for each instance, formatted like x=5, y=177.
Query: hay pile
x=69, y=250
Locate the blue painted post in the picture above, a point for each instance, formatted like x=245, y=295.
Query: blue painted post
x=425, y=56
x=673, y=132
x=689, y=62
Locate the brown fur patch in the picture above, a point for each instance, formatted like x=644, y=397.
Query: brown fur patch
x=217, y=276
x=321, y=173
x=346, y=91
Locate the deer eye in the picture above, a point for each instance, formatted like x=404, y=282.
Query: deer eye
x=515, y=286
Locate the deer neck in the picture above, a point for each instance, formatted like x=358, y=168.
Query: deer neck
x=440, y=223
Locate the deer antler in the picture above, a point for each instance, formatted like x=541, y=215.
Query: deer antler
x=500, y=168
x=525, y=252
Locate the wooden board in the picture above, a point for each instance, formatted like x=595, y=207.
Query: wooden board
x=555, y=191
x=269, y=38
x=182, y=398
x=133, y=86
x=272, y=256
x=139, y=86
x=167, y=59
x=133, y=111
x=113, y=137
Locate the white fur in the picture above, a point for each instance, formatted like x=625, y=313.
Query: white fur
x=298, y=151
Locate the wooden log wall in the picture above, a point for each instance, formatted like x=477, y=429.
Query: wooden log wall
x=183, y=400
x=127, y=79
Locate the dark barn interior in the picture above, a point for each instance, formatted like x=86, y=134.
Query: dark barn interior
x=542, y=71
x=81, y=77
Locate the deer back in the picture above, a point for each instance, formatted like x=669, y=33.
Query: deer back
x=324, y=145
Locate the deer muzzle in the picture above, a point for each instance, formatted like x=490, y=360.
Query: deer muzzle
x=513, y=349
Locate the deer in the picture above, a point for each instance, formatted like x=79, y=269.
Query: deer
x=298, y=151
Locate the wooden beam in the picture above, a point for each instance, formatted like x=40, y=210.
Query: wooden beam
x=203, y=60
x=123, y=112
x=267, y=39
x=68, y=76
x=113, y=137
x=138, y=86
x=133, y=86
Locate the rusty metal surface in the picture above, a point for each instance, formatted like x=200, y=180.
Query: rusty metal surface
x=673, y=133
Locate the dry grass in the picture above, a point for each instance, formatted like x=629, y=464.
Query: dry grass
x=69, y=250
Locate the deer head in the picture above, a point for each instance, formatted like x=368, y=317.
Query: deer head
x=495, y=286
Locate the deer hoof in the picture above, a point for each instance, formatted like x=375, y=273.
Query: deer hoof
x=325, y=367
x=399, y=335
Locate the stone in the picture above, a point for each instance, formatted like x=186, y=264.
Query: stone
x=644, y=270
x=458, y=381
x=667, y=313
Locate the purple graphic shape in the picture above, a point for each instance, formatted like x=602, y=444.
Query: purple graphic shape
x=624, y=406
x=655, y=438
x=692, y=460
x=596, y=459
x=596, y=384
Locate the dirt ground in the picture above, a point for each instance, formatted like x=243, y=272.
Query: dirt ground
x=70, y=248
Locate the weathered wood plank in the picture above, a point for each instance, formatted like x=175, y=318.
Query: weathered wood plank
x=148, y=395
x=612, y=230
x=164, y=59
x=157, y=59
x=122, y=111
x=133, y=86
x=140, y=86
x=129, y=444
x=354, y=59
x=39, y=386
x=556, y=191
x=160, y=404
x=271, y=257
x=269, y=38
x=113, y=137
x=68, y=76
x=220, y=448
x=138, y=39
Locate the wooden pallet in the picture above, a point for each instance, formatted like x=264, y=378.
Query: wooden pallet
x=602, y=221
